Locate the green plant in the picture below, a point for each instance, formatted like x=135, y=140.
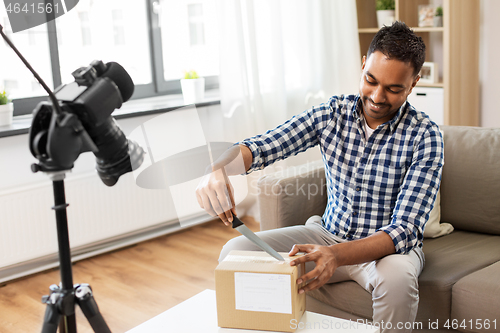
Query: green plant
x=439, y=11
x=3, y=98
x=385, y=5
x=191, y=75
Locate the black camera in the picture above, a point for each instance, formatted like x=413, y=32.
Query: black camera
x=84, y=123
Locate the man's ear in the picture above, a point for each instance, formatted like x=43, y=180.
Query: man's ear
x=414, y=83
x=417, y=78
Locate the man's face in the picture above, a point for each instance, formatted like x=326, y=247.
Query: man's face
x=385, y=84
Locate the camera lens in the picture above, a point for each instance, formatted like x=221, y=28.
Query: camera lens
x=116, y=154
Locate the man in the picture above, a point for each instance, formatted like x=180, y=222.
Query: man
x=383, y=162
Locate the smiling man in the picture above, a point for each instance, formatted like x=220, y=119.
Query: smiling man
x=383, y=162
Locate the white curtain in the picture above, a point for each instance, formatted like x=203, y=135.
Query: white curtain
x=280, y=57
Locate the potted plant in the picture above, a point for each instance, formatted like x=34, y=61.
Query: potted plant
x=193, y=87
x=385, y=12
x=438, y=17
x=6, y=109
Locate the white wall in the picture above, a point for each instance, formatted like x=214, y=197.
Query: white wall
x=489, y=66
x=97, y=214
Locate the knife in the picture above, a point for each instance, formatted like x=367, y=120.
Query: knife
x=249, y=234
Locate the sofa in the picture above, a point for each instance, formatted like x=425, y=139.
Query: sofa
x=459, y=287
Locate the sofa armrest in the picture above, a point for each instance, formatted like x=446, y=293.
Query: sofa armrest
x=291, y=196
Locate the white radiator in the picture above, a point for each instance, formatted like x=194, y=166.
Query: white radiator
x=99, y=218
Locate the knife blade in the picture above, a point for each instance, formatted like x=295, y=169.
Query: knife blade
x=250, y=235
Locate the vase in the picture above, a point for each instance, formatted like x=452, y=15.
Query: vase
x=385, y=17
x=193, y=90
x=438, y=21
x=6, y=113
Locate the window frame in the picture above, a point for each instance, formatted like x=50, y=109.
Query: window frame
x=158, y=87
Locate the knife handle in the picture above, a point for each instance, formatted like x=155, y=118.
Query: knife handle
x=236, y=222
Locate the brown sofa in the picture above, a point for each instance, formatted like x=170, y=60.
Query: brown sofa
x=460, y=284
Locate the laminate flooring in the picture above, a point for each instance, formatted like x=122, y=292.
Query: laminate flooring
x=130, y=285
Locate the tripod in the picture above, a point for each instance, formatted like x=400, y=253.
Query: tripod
x=60, y=311
x=57, y=137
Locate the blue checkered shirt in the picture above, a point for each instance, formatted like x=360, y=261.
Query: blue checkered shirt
x=386, y=183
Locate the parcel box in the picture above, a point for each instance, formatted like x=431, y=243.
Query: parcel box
x=256, y=291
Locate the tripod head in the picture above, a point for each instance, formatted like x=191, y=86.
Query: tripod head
x=57, y=140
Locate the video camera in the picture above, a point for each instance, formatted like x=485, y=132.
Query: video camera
x=82, y=122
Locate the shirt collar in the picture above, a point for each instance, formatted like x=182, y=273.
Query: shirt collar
x=393, y=123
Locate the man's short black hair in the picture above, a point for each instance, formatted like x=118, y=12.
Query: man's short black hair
x=399, y=42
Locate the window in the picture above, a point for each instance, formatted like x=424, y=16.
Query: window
x=154, y=40
x=189, y=38
x=15, y=78
x=99, y=24
x=118, y=27
x=32, y=38
x=196, y=24
x=85, y=28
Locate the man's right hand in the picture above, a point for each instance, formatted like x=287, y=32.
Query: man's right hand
x=215, y=195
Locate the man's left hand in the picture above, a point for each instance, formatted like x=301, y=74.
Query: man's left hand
x=323, y=257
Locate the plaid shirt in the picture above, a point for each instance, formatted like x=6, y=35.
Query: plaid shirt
x=386, y=183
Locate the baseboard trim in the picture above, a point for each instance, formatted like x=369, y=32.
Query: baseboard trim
x=37, y=265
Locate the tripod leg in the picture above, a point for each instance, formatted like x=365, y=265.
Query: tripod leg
x=51, y=319
x=67, y=324
x=87, y=303
x=60, y=311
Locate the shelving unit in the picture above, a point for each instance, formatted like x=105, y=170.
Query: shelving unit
x=453, y=47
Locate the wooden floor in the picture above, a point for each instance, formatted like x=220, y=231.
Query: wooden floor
x=130, y=285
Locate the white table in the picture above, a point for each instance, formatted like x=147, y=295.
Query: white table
x=199, y=315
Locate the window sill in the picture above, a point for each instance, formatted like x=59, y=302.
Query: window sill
x=134, y=108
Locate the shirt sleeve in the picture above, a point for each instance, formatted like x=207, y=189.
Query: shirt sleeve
x=296, y=135
x=417, y=194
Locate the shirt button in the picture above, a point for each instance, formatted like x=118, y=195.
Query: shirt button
x=358, y=189
x=354, y=214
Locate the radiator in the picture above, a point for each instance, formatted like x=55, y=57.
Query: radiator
x=100, y=218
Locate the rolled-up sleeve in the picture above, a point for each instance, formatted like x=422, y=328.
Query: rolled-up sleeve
x=417, y=194
x=292, y=137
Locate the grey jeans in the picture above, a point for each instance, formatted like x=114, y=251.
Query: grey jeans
x=392, y=280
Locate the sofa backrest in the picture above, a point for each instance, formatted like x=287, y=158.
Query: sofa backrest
x=470, y=187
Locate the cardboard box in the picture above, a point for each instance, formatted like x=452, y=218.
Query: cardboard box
x=256, y=291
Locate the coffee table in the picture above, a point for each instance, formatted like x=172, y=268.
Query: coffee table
x=199, y=314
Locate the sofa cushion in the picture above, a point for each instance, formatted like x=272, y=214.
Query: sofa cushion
x=433, y=227
x=471, y=178
x=448, y=259
x=476, y=300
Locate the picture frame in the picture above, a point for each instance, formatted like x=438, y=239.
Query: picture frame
x=429, y=73
x=426, y=15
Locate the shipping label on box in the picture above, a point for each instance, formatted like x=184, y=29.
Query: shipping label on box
x=256, y=291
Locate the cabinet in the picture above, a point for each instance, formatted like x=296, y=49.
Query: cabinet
x=453, y=47
x=430, y=100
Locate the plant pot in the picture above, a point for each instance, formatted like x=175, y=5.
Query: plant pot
x=438, y=21
x=385, y=17
x=193, y=90
x=6, y=113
